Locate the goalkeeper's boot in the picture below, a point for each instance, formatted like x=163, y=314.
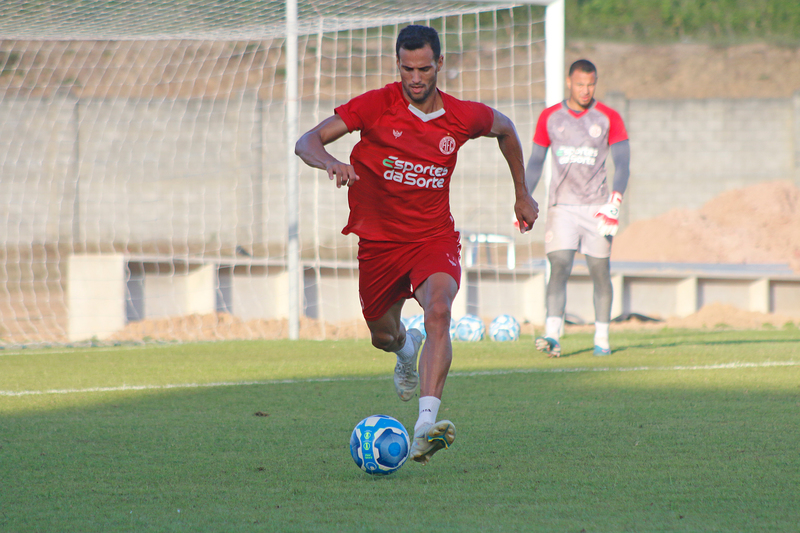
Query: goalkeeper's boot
x=430, y=438
x=406, y=377
x=549, y=346
x=600, y=351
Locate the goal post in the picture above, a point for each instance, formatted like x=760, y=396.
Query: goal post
x=160, y=134
x=554, y=28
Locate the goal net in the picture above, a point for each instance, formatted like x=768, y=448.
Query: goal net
x=146, y=176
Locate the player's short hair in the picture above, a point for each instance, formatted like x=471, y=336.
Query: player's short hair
x=414, y=37
x=583, y=65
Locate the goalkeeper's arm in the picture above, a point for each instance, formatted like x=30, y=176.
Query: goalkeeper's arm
x=608, y=215
x=621, y=155
x=533, y=172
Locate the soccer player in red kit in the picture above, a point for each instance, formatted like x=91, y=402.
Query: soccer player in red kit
x=399, y=196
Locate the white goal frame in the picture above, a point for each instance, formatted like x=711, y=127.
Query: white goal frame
x=554, y=93
x=104, y=141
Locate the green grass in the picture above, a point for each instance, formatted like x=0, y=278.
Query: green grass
x=677, y=431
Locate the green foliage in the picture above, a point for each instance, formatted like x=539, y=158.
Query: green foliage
x=722, y=21
x=677, y=431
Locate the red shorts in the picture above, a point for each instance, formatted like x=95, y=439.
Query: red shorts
x=391, y=271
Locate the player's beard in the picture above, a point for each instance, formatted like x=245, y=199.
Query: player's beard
x=422, y=97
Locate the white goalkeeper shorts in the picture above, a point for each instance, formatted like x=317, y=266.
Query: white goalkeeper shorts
x=574, y=227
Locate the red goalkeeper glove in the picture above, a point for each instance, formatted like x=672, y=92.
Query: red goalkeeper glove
x=609, y=215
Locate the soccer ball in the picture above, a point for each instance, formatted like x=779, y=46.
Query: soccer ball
x=504, y=328
x=470, y=328
x=417, y=322
x=379, y=445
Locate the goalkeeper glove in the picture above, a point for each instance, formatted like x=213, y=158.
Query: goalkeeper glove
x=609, y=215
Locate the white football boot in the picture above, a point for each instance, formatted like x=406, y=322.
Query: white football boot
x=430, y=438
x=406, y=377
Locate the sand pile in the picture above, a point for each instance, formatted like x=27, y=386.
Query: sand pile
x=755, y=225
x=222, y=326
x=211, y=327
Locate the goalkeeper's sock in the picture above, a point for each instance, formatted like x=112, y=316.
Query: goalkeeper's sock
x=601, y=335
x=407, y=351
x=428, y=411
x=553, y=326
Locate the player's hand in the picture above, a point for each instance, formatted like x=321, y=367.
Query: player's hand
x=343, y=173
x=527, y=211
x=609, y=215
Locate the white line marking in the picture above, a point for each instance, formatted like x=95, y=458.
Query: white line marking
x=123, y=388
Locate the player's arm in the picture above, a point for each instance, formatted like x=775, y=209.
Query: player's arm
x=533, y=172
x=311, y=149
x=608, y=215
x=525, y=207
x=621, y=155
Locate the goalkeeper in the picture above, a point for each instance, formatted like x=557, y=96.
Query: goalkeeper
x=399, y=196
x=582, y=213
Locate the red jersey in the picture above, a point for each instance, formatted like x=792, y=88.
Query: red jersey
x=405, y=160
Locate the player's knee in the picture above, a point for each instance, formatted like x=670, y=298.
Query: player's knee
x=437, y=315
x=384, y=340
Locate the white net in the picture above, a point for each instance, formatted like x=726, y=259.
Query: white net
x=142, y=155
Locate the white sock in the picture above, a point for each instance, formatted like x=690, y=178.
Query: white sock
x=428, y=410
x=407, y=351
x=552, y=327
x=601, y=335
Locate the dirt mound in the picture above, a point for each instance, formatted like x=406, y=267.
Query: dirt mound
x=759, y=224
x=722, y=315
x=222, y=326
x=213, y=327
x=711, y=316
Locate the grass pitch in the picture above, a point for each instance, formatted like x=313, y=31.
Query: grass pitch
x=677, y=431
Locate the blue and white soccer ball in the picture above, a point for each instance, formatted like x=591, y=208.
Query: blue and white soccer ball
x=504, y=328
x=417, y=322
x=470, y=328
x=379, y=445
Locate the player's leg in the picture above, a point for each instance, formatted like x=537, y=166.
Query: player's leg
x=383, y=287
x=556, y=300
x=389, y=335
x=600, y=272
x=561, y=240
x=597, y=249
x=387, y=332
x=435, y=295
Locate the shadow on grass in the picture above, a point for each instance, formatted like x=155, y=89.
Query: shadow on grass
x=687, y=342
x=575, y=454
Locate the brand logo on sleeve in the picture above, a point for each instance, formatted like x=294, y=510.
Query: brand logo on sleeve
x=447, y=145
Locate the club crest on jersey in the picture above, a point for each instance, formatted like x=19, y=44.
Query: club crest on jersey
x=447, y=145
x=397, y=133
x=595, y=130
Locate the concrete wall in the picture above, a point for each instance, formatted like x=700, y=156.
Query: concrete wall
x=211, y=172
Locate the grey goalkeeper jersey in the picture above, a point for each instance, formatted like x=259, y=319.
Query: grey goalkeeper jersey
x=579, y=145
